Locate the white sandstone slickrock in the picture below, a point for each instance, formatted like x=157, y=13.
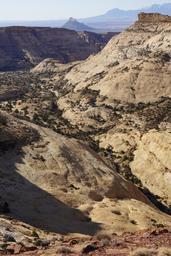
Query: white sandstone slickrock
x=154, y=151
x=51, y=182
x=134, y=67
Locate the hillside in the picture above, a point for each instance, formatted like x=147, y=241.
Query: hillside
x=137, y=58
x=60, y=185
x=85, y=149
x=121, y=94
x=24, y=47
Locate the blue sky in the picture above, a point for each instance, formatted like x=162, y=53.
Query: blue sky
x=59, y=9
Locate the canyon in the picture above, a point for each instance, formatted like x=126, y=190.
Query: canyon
x=24, y=47
x=85, y=149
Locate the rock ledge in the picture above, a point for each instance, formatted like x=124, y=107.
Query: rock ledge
x=153, y=18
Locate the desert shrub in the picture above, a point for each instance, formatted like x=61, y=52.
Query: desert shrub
x=3, y=120
x=116, y=212
x=34, y=234
x=105, y=242
x=105, y=239
x=103, y=236
x=165, y=57
x=3, y=246
x=133, y=222
x=143, y=252
x=64, y=250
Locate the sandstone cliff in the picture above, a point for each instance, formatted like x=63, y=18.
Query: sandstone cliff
x=122, y=94
x=153, y=18
x=24, y=47
x=133, y=67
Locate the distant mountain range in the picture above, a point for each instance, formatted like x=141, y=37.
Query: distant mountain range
x=113, y=20
x=117, y=19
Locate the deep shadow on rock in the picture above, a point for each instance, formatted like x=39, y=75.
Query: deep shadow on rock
x=32, y=205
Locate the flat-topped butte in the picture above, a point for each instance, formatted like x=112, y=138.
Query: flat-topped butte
x=153, y=18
